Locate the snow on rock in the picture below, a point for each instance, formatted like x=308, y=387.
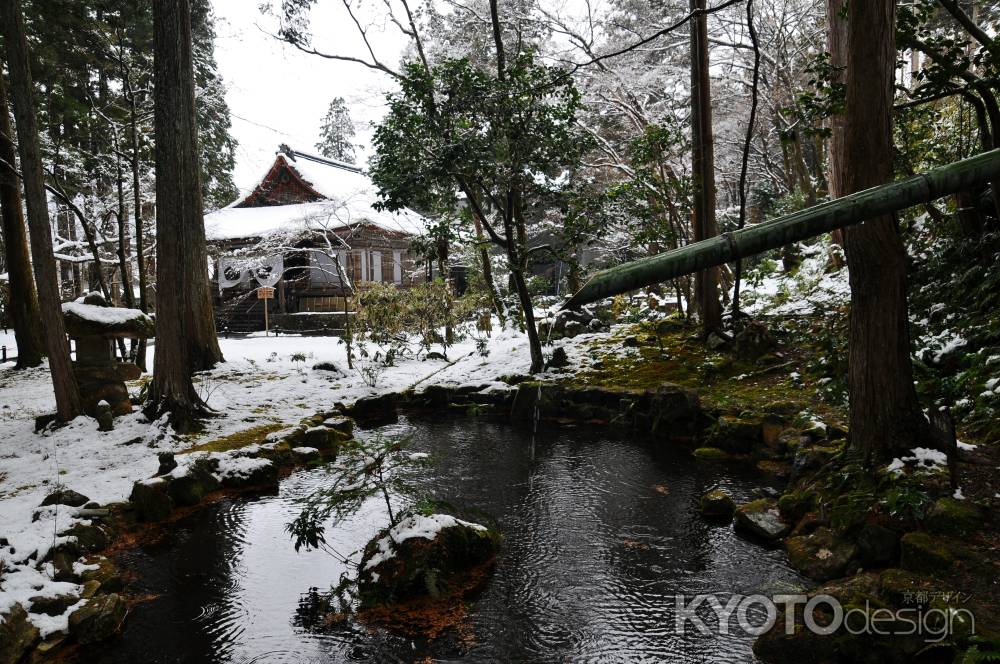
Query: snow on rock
x=417, y=525
x=923, y=458
x=241, y=467
x=109, y=319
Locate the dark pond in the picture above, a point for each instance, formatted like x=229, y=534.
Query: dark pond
x=601, y=533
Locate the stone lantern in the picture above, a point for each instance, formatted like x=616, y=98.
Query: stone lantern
x=95, y=327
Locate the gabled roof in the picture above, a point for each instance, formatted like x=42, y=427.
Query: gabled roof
x=301, y=189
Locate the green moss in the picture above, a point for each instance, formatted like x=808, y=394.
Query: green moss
x=958, y=518
x=239, y=439
x=794, y=505
x=710, y=453
x=717, y=503
x=678, y=356
x=921, y=552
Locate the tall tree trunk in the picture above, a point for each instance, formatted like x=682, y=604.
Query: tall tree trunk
x=703, y=168
x=67, y=393
x=836, y=46
x=484, y=259
x=140, y=238
x=885, y=418
x=180, y=251
x=23, y=306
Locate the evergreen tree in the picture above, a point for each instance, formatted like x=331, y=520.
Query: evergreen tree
x=336, y=133
x=217, y=145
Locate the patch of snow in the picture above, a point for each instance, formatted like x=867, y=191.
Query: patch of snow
x=417, y=525
x=958, y=494
x=104, y=315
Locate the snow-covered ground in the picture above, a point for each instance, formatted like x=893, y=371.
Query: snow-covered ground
x=264, y=380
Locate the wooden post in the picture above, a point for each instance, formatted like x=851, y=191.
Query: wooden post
x=265, y=293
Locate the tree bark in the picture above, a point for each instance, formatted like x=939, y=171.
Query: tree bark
x=885, y=417
x=703, y=168
x=23, y=306
x=484, y=258
x=67, y=394
x=140, y=239
x=836, y=46
x=181, y=261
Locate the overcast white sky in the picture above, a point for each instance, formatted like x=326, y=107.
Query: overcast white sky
x=279, y=95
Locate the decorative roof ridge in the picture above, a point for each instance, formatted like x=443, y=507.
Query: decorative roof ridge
x=285, y=149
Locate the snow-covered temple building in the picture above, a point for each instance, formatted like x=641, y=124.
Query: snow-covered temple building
x=309, y=228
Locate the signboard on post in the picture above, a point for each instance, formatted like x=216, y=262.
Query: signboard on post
x=265, y=293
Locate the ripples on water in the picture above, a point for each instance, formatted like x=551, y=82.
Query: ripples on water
x=600, y=533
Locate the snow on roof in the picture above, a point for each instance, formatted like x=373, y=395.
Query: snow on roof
x=350, y=194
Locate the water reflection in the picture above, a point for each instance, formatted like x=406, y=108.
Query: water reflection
x=600, y=534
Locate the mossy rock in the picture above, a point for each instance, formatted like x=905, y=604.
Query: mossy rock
x=710, y=454
x=956, y=518
x=322, y=438
x=423, y=557
x=761, y=518
x=150, y=500
x=344, y=425
x=795, y=505
x=107, y=574
x=375, y=409
x=17, y=634
x=189, y=489
x=822, y=555
x=923, y=552
x=717, y=503
x=737, y=435
x=899, y=585
x=100, y=618
x=89, y=538
x=534, y=396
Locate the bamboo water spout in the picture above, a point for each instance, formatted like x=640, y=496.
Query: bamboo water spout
x=813, y=221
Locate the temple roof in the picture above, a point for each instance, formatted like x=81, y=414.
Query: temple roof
x=304, y=190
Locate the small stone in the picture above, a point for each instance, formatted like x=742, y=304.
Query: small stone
x=65, y=497
x=105, y=418
x=167, y=462
x=98, y=619
x=321, y=438
x=558, y=360
x=107, y=574
x=631, y=341
x=717, y=503
x=761, y=518
x=710, y=453
x=62, y=565
x=90, y=588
